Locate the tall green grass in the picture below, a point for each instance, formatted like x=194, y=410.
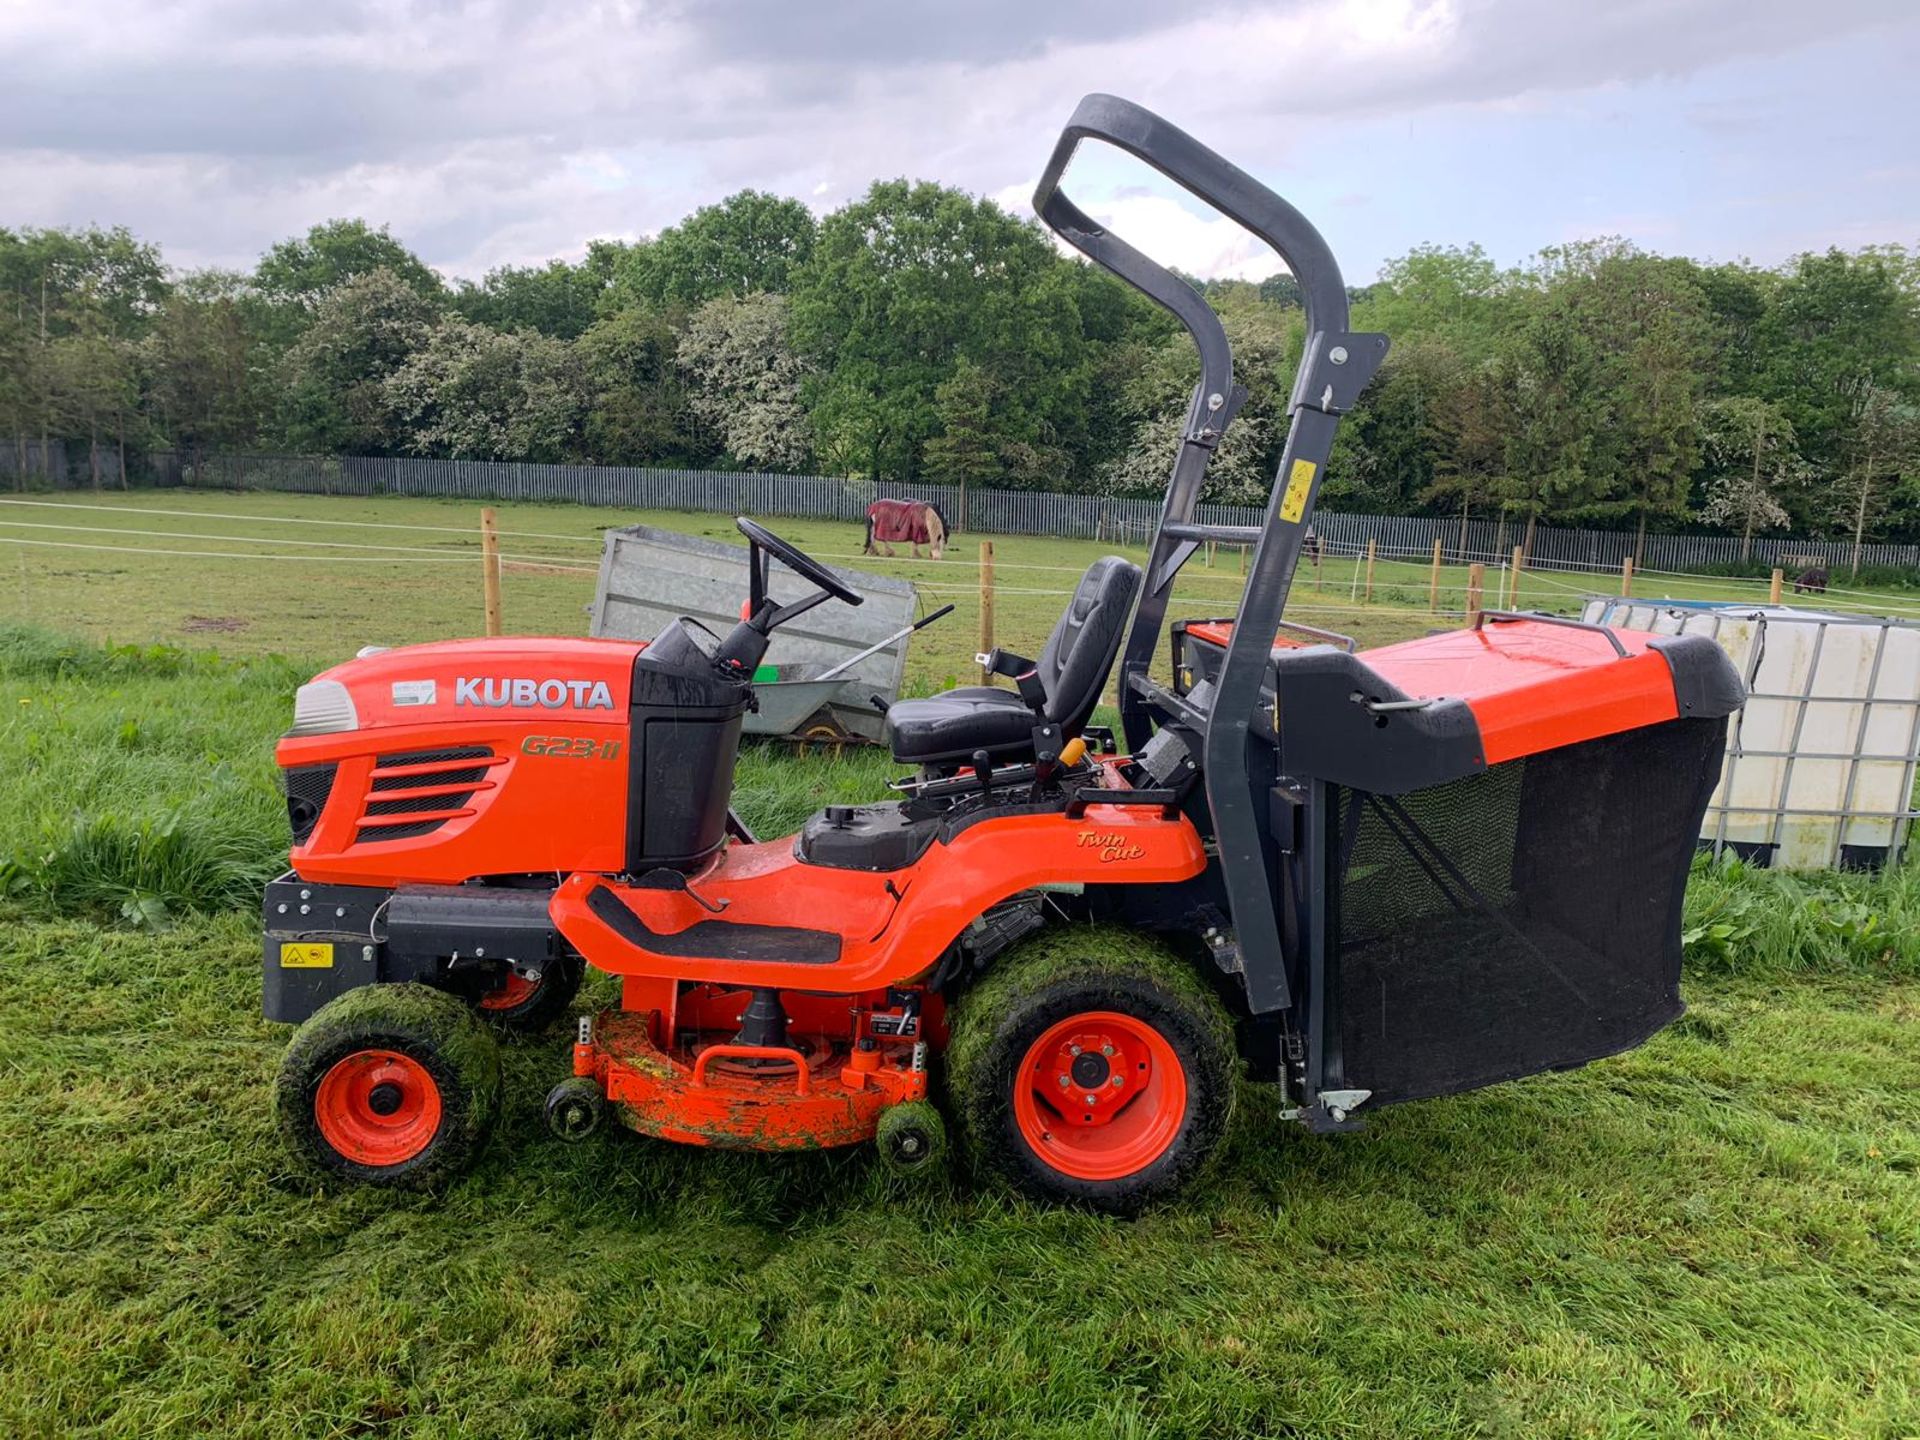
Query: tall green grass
x=1743, y=921
x=138, y=781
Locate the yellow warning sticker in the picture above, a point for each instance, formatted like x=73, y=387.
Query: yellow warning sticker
x=1299, y=483
x=306, y=956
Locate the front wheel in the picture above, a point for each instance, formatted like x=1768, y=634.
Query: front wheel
x=1092, y=1066
x=390, y=1085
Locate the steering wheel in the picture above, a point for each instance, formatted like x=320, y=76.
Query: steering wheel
x=801, y=564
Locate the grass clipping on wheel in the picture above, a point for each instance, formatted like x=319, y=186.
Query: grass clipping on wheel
x=1068, y=952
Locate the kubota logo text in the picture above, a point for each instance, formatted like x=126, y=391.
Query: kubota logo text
x=552, y=694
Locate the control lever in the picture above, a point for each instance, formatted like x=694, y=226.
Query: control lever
x=983, y=771
x=662, y=878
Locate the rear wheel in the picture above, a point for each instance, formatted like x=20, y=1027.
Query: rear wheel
x=526, y=1007
x=390, y=1085
x=1092, y=1066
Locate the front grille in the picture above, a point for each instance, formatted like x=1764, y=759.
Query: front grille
x=472, y=774
x=308, y=788
x=439, y=768
x=435, y=757
x=398, y=832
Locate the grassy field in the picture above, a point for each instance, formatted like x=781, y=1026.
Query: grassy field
x=256, y=574
x=1718, y=1234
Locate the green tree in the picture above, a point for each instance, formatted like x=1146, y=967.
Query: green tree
x=966, y=452
x=744, y=380
x=208, y=369
x=1883, y=448
x=1751, y=444
x=19, y=408
x=300, y=274
x=1470, y=442
x=1443, y=292
x=749, y=241
x=334, y=395
x=902, y=286
x=1385, y=456
x=637, y=411
x=1737, y=297
x=57, y=275
x=94, y=382
x=554, y=299
x=1841, y=327
x=1651, y=336
x=1546, y=394
x=470, y=393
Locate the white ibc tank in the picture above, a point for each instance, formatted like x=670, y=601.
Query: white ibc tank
x=1820, y=764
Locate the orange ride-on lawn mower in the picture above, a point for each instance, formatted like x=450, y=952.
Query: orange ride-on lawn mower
x=1372, y=876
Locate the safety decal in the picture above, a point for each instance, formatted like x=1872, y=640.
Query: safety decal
x=1299, y=485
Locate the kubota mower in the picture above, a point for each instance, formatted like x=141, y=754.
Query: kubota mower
x=1369, y=876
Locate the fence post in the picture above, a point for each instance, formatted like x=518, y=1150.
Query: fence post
x=1773, y=586
x=1433, y=582
x=1371, y=547
x=1626, y=577
x=490, y=569
x=1513, y=578
x=1476, y=585
x=986, y=607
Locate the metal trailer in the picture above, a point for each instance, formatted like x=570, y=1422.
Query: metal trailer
x=650, y=576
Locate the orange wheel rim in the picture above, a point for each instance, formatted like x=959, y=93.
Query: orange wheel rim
x=1100, y=1095
x=510, y=996
x=378, y=1107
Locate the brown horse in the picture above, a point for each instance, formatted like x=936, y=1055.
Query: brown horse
x=918, y=522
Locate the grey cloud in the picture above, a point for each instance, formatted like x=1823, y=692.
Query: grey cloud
x=860, y=34
x=499, y=131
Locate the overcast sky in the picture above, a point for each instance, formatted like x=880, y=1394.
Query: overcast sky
x=513, y=132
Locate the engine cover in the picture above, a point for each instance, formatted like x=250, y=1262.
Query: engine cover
x=439, y=763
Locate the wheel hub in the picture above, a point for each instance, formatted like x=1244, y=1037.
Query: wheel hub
x=1089, y=1068
x=1100, y=1095
x=378, y=1107
x=1092, y=1071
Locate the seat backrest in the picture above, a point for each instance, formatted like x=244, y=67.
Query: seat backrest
x=1080, y=651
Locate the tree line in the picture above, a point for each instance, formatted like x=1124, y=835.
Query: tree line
x=919, y=334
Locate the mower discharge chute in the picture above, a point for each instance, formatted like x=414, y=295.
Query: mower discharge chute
x=1373, y=875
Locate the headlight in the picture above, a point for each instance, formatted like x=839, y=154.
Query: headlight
x=321, y=707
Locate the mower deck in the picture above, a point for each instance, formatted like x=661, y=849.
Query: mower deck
x=814, y=1091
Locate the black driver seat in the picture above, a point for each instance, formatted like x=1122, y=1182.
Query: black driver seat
x=1072, y=670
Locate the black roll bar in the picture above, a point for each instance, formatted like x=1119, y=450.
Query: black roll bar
x=1334, y=368
x=1207, y=176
